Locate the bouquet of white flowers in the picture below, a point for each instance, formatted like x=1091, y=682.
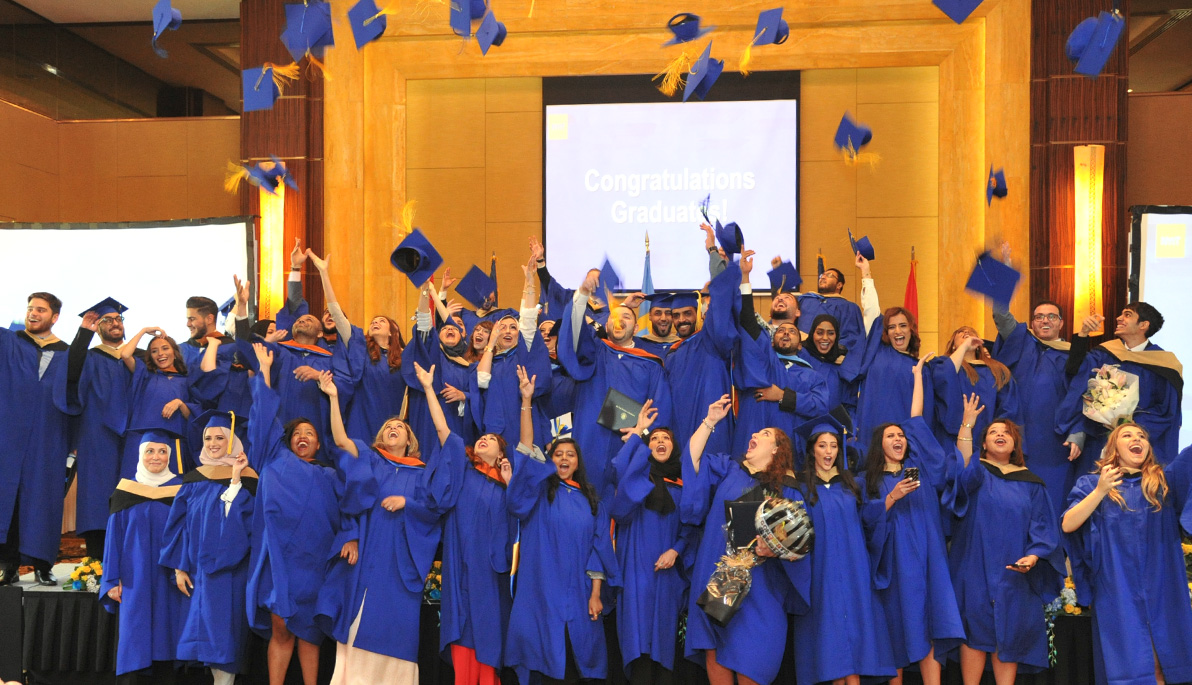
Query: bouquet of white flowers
x=1112, y=395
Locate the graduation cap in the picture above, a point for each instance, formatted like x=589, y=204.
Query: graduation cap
x=730, y=238
x=842, y=416
x=500, y=314
x=106, y=306
x=476, y=286
x=416, y=258
x=308, y=29
x=159, y=436
x=861, y=245
x=1093, y=40
x=685, y=27
x=463, y=13
x=165, y=18
x=825, y=423
x=261, y=86
x=276, y=174
x=771, y=28
x=368, y=23
x=684, y=300
x=993, y=279
x=610, y=281
x=703, y=74
x=490, y=33
x=661, y=302
x=784, y=278
x=851, y=136
x=957, y=10
x=226, y=308
x=996, y=185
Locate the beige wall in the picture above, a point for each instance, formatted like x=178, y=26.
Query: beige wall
x=1160, y=145
x=126, y=170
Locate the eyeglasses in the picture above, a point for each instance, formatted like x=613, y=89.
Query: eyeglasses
x=1047, y=317
x=109, y=320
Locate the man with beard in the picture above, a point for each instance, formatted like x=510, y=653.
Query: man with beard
x=296, y=305
x=598, y=365
x=101, y=384
x=1037, y=356
x=34, y=441
x=657, y=340
x=1160, y=385
x=777, y=387
x=297, y=363
x=200, y=321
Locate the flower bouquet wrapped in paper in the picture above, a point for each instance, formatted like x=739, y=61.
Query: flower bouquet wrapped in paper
x=1112, y=395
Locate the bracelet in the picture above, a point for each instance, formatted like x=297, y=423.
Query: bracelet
x=966, y=425
x=295, y=268
x=526, y=408
x=965, y=439
x=711, y=427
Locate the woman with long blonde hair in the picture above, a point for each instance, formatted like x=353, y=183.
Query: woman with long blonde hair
x=1123, y=533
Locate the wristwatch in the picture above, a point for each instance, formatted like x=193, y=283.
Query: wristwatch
x=645, y=433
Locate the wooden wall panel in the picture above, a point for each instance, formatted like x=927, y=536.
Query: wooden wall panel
x=1159, y=150
x=513, y=166
x=151, y=198
x=92, y=149
x=446, y=123
x=904, y=183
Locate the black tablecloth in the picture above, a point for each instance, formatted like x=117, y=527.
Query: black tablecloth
x=68, y=638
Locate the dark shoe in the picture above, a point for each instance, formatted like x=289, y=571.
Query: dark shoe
x=45, y=578
x=9, y=574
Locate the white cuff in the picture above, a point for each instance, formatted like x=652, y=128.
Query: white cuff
x=229, y=496
x=483, y=378
x=746, y=289
x=295, y=276
x=423, y=321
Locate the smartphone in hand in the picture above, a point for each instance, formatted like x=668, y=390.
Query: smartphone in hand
x=911, y=472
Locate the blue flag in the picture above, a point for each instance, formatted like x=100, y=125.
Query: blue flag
x=647, y=282
x=492, y=273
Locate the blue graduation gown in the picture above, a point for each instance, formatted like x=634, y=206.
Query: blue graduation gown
x=34, y=440
x=560, y=543
x=298, y=525
x=908, y=557
x=554, y=298
x=657, y=348
x=151, y=609
x=754, y=640
x=214, y=549
x=852, y=325
x=650, y=601
x=598, y=365
x=561, y=398
x=887, y=383
x=1129, y=561
x=103, y=387
x=842, y=391
x=425, y=350
x=380, y=392
x=384, y=587
x=843, y=633
x=477, y=553
x=226, y=387
x=149, y=392
x=1158, y=409
x=1039, y=372
x=951, y=386
x=497, y=409
x=697, y=368
x=1000, y=519
x=760, y=367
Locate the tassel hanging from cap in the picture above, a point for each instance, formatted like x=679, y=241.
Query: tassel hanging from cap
x=672, y=75
x=233, y=176
x=282, y=75
x=387, y=9
x=407, y=216
x=854, y=158
x=232, y=437
x=747, y=56
x=316, y=66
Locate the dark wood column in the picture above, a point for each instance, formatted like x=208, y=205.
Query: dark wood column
x=292, y=131
x=1067, y=110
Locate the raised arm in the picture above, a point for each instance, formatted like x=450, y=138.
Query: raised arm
x=343, y=327
x=338, y=434
x=210, y=355
x=129, y=349
x=579, y=306
x=964, y=437
x=527, y=322
x=870, y=307
x=699, y=439
x=748, y=318
x=917, y=393
x=716, y=260
x=1074, y=518
x=525, y=389
x=426, y=378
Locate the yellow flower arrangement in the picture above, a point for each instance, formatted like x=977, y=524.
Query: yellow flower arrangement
x=86, y=576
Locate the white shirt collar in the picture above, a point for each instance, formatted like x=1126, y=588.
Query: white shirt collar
x=1141, y=347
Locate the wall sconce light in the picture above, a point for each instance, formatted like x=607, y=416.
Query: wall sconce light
x=272, y=288
x=1090, y=188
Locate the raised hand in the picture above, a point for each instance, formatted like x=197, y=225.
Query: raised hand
x=746, y=264
x=91, y=323
x=633, y=300
x=525, y=383
x=719, y=409
x=709, y=236
x=505, y=468
x=1090, y=324
x=1110, y=478
x=645, y=418
x=264, y=356
x=537, y=252
x=448, y=281
x=240, y=290
x=972, y=409
x=327, y=384
x=918, y=370
x=591, y=283
x=238, y=466
x=297, y=255
x=320, y=264
x=278, y=335
x=425, y=377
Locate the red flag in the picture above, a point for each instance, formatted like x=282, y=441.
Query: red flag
x=910, y=301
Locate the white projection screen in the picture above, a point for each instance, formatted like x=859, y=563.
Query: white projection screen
x=621, y=161
x=151, y=267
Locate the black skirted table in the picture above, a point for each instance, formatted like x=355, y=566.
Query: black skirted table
x=67, y=637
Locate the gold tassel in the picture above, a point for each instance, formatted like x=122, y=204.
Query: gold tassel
x=747, y=56
x=232, y=437
x=387, y=9
x=407, y=216
x=672, y=75
x=234, y=175
x=318, y=66
x=282, y=75
x=531, y=14
x=854, y=158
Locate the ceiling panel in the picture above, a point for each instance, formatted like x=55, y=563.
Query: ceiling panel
x=98, y=11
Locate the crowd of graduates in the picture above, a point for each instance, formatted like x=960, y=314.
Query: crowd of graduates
x=298, y=477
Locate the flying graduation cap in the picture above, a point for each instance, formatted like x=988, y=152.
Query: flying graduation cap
x=1093, y=40
x=261, y=86
x=416, y=258
x=993, y=279
x=771, y=29
x=730, y=237
x=490, y=33
x=861, y=245
x=476, y=286
x=463, y=13
x=995, y=186
x=308, y=30
x=851, y=136
x=784, y=278
x=685, y=28
x=165, y=18
x=260, y=175
x=957, y=10
x=703, y=74
x=609, y=283
x=367, y=21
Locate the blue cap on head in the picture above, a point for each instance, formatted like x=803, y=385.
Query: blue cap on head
x=685, y=27
x=416, y=258
x=158, y=436
x=996, y=185
x=368, y=23
x=825, y=423
x=660, y=301
x=684, y=300
x=107, y=306
x=993, y=279
x=213, y=418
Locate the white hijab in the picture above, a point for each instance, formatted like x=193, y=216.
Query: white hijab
x=147, y=477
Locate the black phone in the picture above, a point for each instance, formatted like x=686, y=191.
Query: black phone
x=911, y=472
